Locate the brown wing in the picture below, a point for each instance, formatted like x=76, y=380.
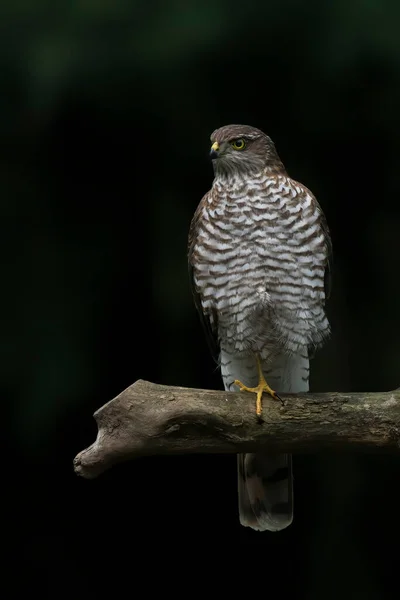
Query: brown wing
x=328, y=245
x=209, y=321
x=328, y=242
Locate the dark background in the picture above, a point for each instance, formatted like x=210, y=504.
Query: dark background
x=105, y=115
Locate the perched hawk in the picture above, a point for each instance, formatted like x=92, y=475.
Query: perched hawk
x=259, y=249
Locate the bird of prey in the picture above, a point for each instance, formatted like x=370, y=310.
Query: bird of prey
x=258, y=252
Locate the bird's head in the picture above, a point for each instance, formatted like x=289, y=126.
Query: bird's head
x=242, y=149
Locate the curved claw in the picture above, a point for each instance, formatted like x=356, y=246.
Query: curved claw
x=262, y=387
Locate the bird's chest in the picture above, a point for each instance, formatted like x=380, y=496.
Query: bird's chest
x=242, y=246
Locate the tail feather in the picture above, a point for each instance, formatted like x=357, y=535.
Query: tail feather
x=246, y=513
x=265, y=481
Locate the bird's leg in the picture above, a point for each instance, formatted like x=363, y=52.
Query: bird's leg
x=262, y=387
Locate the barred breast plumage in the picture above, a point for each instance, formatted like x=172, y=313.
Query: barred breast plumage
x=258, y=252
x=259, y=264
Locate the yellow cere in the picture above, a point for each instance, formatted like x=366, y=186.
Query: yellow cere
x=215, y=146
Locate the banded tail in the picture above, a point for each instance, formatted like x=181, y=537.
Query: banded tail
x=265, y=481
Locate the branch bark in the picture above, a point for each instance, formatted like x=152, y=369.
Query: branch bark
x=147, y=419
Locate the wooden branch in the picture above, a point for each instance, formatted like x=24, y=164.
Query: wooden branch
x=147, y=419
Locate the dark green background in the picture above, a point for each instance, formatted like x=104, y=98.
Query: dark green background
x=105, y=114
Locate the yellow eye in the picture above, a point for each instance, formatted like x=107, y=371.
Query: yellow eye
x=238, y=144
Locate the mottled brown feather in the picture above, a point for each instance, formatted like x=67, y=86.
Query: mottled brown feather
x=210, y=326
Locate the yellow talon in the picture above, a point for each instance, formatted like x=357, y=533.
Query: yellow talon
x=261, y=387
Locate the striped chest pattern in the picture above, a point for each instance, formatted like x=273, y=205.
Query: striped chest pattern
x=259, y=258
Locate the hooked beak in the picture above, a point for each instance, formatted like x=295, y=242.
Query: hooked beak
x=214, y=151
